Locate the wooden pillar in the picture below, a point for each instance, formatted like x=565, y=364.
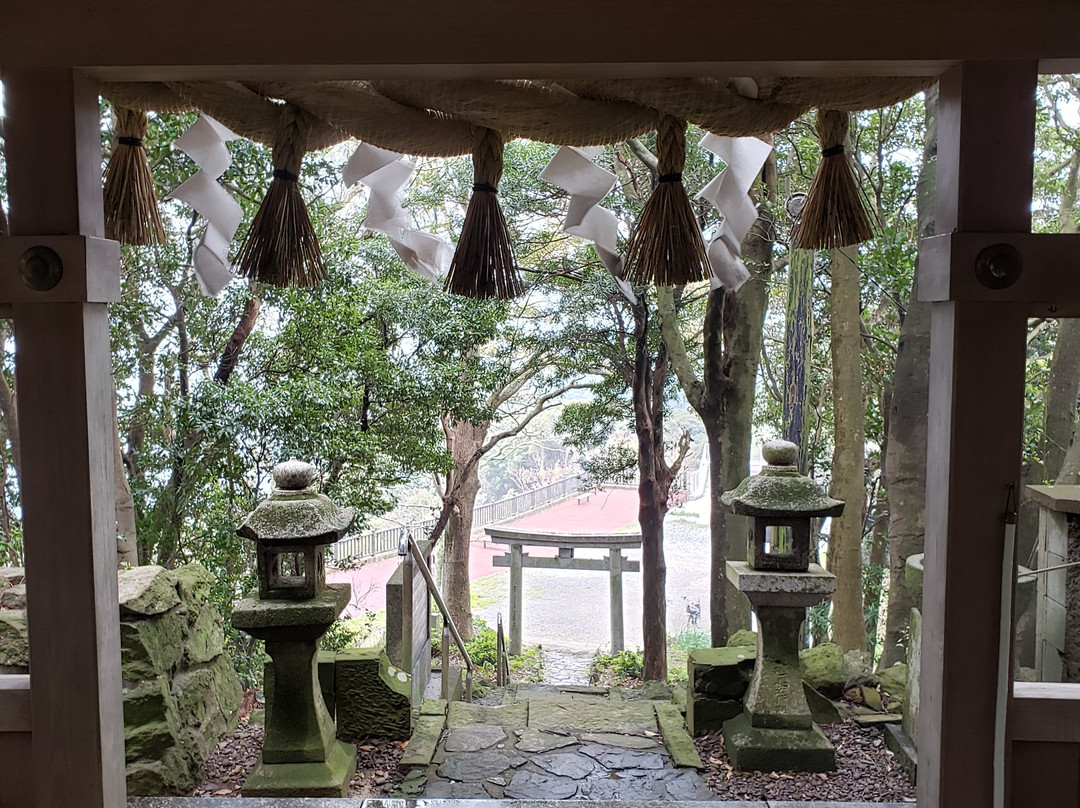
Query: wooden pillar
x=63, y=367
x=515, y=598
x=986, y=122
x=615, y=569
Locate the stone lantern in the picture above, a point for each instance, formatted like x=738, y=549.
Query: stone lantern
x=292, y=609
x=775, y=731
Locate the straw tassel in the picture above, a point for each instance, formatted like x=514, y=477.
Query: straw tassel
x=129, y=196
x=834, y=214
x=666, y=247
x=281, y=248
x=483, y=264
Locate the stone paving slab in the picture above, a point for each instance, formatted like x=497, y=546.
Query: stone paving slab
x=322, y=802
x=536, y=741
x=601, y=715
x=461, y=714
x=474, y=738
x=567, y=764
x=479, y=766
x=621, y=741
x=615, y=759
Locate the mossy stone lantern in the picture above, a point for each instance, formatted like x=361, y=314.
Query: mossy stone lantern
x=291, y=530
x=776, y=730
x=779, y=503
x=293, y=608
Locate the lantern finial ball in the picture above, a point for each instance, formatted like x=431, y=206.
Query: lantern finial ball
x=780, y=452
x=294, y=475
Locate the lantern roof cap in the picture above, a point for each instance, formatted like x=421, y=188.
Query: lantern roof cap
x=779, y=490
x=296, y=513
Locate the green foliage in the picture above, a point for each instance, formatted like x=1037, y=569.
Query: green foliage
x=483, y=647
x=621, y=667
x=350, y=632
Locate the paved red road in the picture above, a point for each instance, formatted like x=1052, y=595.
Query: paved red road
x=605, y=511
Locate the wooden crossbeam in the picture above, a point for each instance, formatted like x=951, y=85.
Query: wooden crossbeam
x=1048, y=270
x=588, y=564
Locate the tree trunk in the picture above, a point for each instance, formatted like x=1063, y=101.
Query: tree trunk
x=905, y=463
x=797, y=348
x=9, y=409
x=230, y=357
x=127, y=552
x=466, y=440
x=654, y=484
x=743, y=321
x=848, y=475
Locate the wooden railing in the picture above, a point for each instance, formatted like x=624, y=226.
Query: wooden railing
x=387, y=539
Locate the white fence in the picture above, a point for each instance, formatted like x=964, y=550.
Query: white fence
x=378, y=542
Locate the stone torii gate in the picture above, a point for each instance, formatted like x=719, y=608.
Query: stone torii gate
x=614, y=563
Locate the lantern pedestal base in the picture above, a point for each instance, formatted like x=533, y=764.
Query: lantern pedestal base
x=329, y=778
x=776, y=731
x=752, y=748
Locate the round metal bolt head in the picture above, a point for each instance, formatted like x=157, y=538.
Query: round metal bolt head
x=998, y=266
x=294, y=475
x=41, y=268
x=780, y=452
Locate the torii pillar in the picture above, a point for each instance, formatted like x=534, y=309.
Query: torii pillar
x=64, y=379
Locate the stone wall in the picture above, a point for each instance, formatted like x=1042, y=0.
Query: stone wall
x=181, y=694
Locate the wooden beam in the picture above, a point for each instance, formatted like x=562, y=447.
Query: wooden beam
x=491, y=38
x=15, y=702
x=986, y=125
x=1045, y=711
x=1049, y=264
x=63, y=374
x=582, y=564
x=515, y=535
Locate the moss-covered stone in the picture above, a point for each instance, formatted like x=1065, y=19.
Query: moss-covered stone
x=325, y=779
x=822, y=710
x=170, y=774
x=858, y=669
x=775, y=750
x=678, y=742
x=743, y=637
x=14, y=638
x=720, y=672
x=193, y=585
x=253, y=615
x=326, y=663
x=894, y=680
x=822, y=668
x=208, y=697
x=206, y=636
x=705, y=714
x=149, y=702
x=147, y=591
x=14, y=597
x=373, y=697
x=148, y=741
x=12, y=575
x=150, y=648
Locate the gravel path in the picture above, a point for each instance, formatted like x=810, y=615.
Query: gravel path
x=568, y=609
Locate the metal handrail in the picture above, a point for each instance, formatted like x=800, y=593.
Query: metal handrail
x=448, y=621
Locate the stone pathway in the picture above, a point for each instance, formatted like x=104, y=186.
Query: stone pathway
x=558, y=743
x=565, y=667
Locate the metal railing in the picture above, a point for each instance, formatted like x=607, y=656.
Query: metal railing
x=385, y=540
x=448, y=623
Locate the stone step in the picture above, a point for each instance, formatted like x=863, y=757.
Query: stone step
x=677, y=740
x=424, y=740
